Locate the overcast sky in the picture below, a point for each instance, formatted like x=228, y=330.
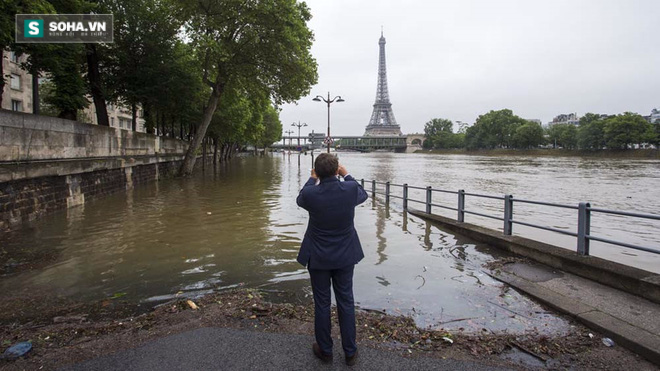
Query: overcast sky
x=459, y=59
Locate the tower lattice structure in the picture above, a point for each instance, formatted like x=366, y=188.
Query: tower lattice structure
x=382, y=122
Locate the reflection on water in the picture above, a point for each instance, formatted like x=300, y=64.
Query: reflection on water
x=615, y=184
x=240, y=226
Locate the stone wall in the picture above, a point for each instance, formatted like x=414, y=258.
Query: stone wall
x=27, y=137
x=47, y=164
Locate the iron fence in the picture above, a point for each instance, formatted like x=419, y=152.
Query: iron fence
x=584, y=212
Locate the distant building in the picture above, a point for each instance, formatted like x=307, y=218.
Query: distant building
x=566, y=118
x=119, y=116
x=654, y=117
x=17, y=96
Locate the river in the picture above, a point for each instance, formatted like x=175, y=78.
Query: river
x=240, y=227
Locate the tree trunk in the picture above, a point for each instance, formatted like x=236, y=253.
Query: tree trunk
x=189, y=161
x=172, y=126
x=35, y=92
x=215, y=152
x=162, y=124
x=2, y=73
x=95, y=85
x=147, y=118
x=134, y=116
x=204, y=154
x=181, y=129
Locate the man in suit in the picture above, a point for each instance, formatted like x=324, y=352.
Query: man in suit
x=330, y=250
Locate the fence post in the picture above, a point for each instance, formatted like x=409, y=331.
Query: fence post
x=508, y=214
x=405, y=197
x=373, y=188
x=387, y=192
x=362, y=182
x=428, y=199
x=461, y=206
x=584, y=227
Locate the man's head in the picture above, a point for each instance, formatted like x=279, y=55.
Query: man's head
x=326, y=165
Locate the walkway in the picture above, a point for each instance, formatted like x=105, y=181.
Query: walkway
x=629, y=320
x=230, y=349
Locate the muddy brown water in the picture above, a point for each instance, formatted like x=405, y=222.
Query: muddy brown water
x=240, y=227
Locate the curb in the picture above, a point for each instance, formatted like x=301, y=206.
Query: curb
x=628, y=336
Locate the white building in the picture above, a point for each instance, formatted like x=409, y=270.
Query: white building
x=566, y=118
x=654, y=117
x=17, y=96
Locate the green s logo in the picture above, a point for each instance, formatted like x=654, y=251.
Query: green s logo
x=33, y=28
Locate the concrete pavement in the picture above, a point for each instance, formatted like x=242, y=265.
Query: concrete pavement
x=231, y=349
x=631, y=321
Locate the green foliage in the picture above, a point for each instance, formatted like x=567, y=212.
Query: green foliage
x=259, y=48
x=591, y=135
x=494, y=129
x=653, y=135
x=563, y=135
x=273, y=132
x=64, y=68
x=438, y=133
x=144, y=60
x=623, y=131
x=528, y=135
x=264, y=45
x=589, y=118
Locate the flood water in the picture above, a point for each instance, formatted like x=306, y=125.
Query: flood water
x=240, y=226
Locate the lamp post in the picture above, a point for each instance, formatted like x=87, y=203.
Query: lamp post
x=328, y=102
x=299, y=125
x=289, y=132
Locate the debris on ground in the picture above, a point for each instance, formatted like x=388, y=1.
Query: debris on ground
x=90, y=330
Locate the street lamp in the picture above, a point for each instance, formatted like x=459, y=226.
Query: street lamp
x=289, y=132
x=328, y=102
x=299, y=125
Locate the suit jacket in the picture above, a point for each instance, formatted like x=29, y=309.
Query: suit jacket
x=331, y=241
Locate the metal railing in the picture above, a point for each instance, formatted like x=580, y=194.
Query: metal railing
x=584, y=212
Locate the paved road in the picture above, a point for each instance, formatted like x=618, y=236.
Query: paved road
x=230, y=349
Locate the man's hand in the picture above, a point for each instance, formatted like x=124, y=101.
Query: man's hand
x=313, y=174
x=342, y=170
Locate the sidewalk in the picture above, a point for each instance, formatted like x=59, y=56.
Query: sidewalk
x=631, y=321
x=230, y=349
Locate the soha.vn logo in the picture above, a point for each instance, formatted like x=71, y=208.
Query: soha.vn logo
x=33, y=28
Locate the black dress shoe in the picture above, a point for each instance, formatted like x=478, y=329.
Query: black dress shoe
x=350, y=360
x=326, y=358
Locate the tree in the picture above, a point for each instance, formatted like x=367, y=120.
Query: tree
x=653, y=135
x=493, y=129
x=591, y=135
x=143, y=51
x=8, y=10
x=261, y=46
x=528, y=135
x=589, y=118
x=64, y=69
x=563, y=135
x=623, y=131
x=438, y=133
x=273, y=126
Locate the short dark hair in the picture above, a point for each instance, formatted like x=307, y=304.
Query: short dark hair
x=326, y=165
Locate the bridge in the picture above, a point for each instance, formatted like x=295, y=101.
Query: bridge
x=401, y=143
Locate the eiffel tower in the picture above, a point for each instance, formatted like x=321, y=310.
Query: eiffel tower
x=382, y=122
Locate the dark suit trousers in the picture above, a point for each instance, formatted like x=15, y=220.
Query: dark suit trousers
x=342, y=283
